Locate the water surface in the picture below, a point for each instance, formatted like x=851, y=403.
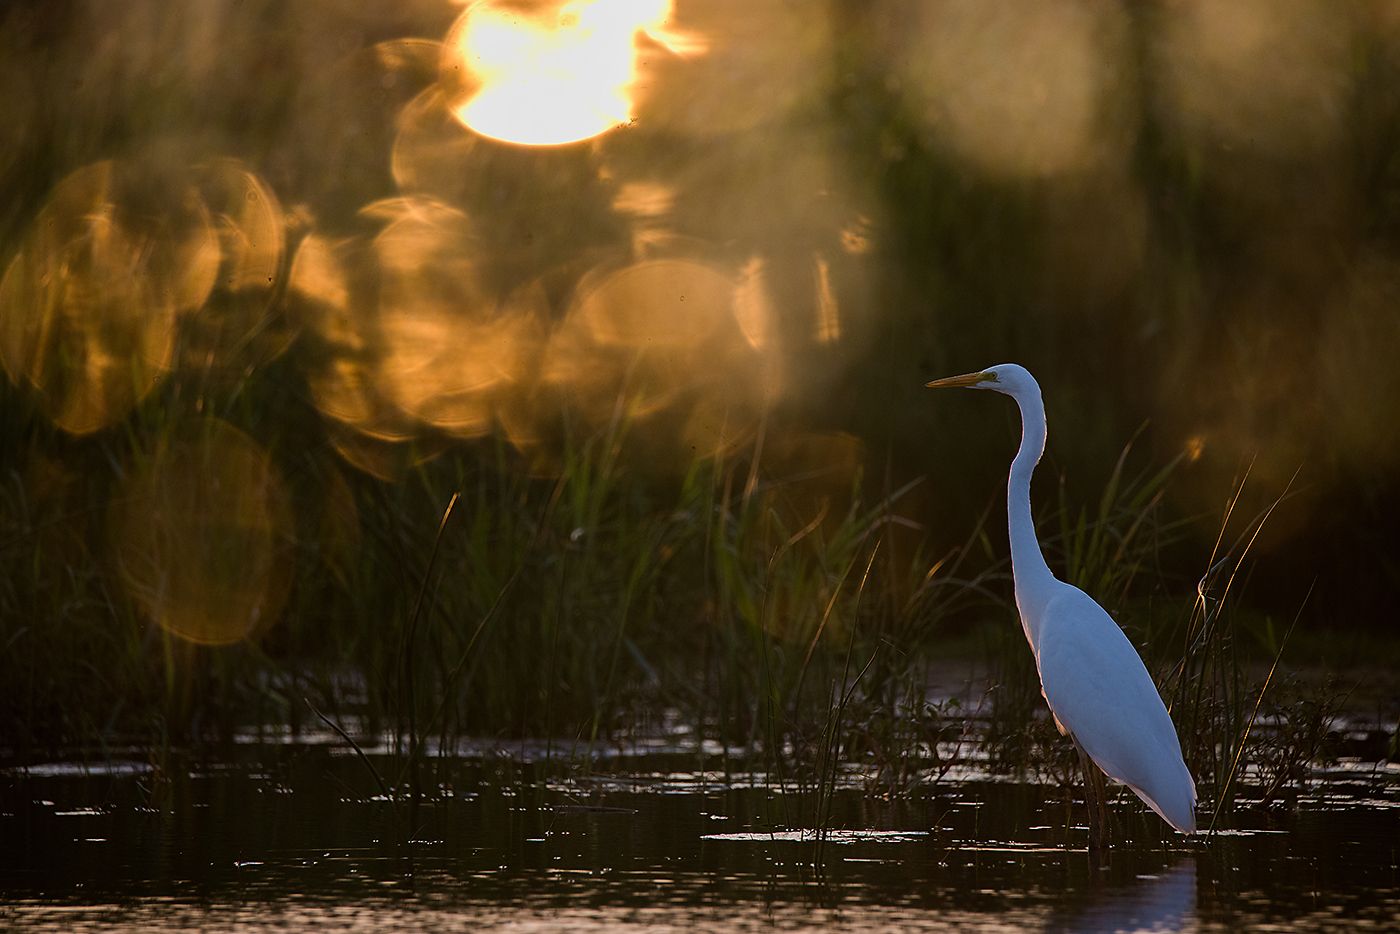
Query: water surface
x=289, y=835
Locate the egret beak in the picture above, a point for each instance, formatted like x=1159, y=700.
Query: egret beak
x=966, y=381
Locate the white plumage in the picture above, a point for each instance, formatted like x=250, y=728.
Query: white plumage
x=1093, y=679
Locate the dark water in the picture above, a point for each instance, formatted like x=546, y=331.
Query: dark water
x=292, y=835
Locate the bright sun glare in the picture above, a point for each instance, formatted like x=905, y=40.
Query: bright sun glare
x=554, y=75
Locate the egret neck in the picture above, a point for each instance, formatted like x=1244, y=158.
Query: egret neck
x=1028, y=568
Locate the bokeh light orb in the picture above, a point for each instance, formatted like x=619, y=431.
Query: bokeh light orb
x=547, y=73
x=1021, y=90
x=1264, y=75
x=200, y=534
x=88, y=305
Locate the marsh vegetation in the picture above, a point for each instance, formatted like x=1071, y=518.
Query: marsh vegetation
x=362, y=405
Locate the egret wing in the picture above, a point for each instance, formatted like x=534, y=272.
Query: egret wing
x=1100, y=692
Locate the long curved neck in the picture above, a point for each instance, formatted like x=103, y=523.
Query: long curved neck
x=1028, y=566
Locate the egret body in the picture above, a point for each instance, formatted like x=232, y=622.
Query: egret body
x=1093, y=679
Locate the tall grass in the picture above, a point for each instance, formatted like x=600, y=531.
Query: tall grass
x=569, y=606
x=1242, y=719
x=764, y=609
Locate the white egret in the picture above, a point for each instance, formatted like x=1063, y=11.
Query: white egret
x=1092, y=678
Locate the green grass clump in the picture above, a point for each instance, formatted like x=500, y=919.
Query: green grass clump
x=574, y=605
x=470, y=596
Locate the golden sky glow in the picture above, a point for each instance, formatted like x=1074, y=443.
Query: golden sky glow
x=552, y=74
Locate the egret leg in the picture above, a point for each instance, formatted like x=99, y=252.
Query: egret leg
x=1096, y=801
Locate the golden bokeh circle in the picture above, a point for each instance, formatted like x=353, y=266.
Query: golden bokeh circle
x=88, y=304
x=1023, y=91
x=200, y=532
x=657, y=343
x=238, y=326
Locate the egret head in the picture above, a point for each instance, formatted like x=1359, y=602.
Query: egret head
x=1010, y=378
